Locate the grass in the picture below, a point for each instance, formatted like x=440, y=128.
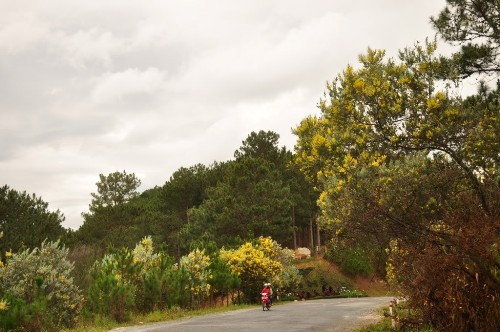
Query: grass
x=385, y=326
x=385, y=323
x=99, y=324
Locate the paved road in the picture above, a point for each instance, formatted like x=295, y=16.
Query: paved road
x=315, y=315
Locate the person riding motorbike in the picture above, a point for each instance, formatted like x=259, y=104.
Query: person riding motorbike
x=269, y=291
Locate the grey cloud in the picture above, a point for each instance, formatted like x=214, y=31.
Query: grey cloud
x=90, y=87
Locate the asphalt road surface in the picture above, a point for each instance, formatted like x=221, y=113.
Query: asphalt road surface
x=315, y=315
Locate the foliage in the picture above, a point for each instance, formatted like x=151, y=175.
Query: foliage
x=258, y=193
x=352, y=261
x=40, y=291
x=129, y=280
x=117, y=215
x=142, y=280
x=303, y=198
x=26, y=221
x=255, y=264
x=13, y=313
x=458, y=278
x=123, y=225
x=160, y=211
x=251, y=200
x=397, y=159
x=263, y=145
x=319, y=277
x=184, y=190
x=196, y=264
x=290, y=277
x=224, y=281
x=475, y=25
x=114, y=189
x=112, y=292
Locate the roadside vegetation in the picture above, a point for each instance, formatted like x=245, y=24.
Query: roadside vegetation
x=324, y=274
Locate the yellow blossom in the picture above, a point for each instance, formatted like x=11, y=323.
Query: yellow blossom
x=4, y=305
x=147, y=241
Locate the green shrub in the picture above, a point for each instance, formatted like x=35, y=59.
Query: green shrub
x=13, y=313
x=112, y=292
x=351, y=261
x=157, y=290
x=27, y=316
x=355, y=263
x=136, y=280
x=224, y=282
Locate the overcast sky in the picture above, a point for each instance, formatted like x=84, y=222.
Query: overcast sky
x=92, y=86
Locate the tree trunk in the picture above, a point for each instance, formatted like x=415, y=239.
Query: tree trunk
x=294, y=229
x=311, y=234
x=318, y=240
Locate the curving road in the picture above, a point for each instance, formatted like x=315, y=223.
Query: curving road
x=315, y=315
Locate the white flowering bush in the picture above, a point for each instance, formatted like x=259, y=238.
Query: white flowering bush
x=5, y=319
x=144, y=255
x=289, y=277
x=38, y=282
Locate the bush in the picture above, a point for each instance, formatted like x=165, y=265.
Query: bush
x=355, y=263
x=112, y=292
x=136, y=280
x=254, y=264
x=223, y=280
x=351, y=261
x=115, y=277
x=39, y=290
x=196, y=265
x=13, y=313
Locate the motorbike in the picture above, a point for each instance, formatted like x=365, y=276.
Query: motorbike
x=266, y=301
